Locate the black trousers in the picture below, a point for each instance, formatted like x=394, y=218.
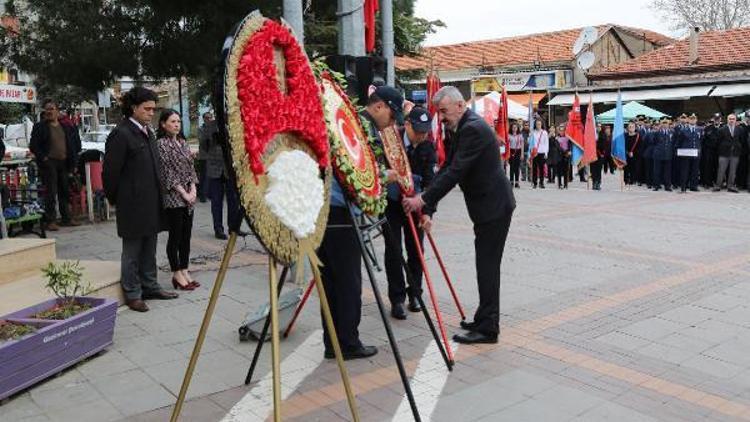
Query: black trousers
x=689, y=172
x=202, y=187
x=397, y=291
x=217, y=188
x=709, y=166
x=596, y=171
x=341, y=257
x=561, y=172
x=537, y=168
x=662, y=174
x=489, y=243
x=55, y=179
x=648, y=171
x=515, y=166
x=180, y=224
x=138, y=266
x=631, y=170
x=608, y=165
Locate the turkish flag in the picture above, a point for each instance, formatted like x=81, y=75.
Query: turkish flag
x=371, y=9
x=589, y=136
x=433, y=85
x=501, y=125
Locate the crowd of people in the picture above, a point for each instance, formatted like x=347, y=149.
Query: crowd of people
x=663, y=153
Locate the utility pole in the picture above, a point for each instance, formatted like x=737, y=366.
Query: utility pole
x=293, y=15
x=386, y=16
x=351, y=27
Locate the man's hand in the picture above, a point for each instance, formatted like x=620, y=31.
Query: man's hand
x=630, y=154
x=391, y=176
x=426, y=223
x=413, y=204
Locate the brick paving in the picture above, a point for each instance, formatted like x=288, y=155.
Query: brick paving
x=615, y=306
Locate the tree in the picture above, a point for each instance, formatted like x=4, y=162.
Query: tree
x=705, y=14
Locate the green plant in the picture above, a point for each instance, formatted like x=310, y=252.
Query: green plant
x=13, y=330
x=65, y=280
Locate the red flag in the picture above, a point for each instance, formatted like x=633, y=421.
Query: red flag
x=433, y=85
x=501, y=126
x=574, y=132
x=371, y=8
x=589, y=136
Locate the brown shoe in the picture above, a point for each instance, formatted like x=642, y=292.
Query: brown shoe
x=160, y=295
x=137, y=305
x=52, y=227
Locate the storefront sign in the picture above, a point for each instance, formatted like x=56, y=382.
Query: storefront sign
x=17, y=94
x=524, y=81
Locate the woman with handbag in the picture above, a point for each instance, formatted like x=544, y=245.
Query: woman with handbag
x=178, y=180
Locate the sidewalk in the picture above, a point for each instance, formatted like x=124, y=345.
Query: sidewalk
x=626, y=306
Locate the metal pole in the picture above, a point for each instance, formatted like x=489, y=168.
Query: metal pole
x=293, y=15
x=204, y=326
x=351, y=39
x=179, y=94
x=386, y=16
x=300, y=305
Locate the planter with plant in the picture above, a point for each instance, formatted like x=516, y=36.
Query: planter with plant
x=41, y=340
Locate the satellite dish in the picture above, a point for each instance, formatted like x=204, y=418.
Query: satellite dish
x=589, y=35
x=586, y=60
x=579, y=44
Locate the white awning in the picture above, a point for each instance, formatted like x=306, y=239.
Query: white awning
x=673, y=93
x=731, y=90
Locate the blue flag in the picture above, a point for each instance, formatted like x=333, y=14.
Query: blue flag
x=618, y=136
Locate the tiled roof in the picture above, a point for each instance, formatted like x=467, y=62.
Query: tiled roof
x=717, y=50
x=546, y=47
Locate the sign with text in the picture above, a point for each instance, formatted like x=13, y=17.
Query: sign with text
x=524, y=81
x=17, y=94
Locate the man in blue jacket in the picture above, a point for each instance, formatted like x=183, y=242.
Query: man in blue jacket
x=688, y=151
x=663, y=152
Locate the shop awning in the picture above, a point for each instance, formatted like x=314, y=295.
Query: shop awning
x=524, y=98
x=731, y=90
x=671, y=93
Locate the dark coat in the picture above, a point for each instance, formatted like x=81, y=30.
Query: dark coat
x=730, y=145
x=648, y=144
x=2, y=150
x=473, y=164
x=664, y=145
x=555, y=153
x=131, y=180
x=39, y=143
x=633, y=144
x=690, y=138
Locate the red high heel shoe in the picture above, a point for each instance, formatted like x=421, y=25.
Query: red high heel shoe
x=195, y=283
x=179, y=286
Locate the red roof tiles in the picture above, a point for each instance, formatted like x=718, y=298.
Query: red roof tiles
x=545, y=47
x=717, y=50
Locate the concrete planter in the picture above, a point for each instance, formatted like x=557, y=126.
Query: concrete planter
x=55, y=345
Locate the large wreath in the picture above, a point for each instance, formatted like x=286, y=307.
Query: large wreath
x=278, y=138
x=352, y=157
x=396, y=156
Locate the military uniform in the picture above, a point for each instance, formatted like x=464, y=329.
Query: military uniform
x=688, y=142
x=663, y=153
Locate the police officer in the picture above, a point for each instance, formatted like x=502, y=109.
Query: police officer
x=422, y=158
x=688, y=150
x=663, y=152
x=648, y=154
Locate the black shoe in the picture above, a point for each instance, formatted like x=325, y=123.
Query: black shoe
x=361, y=353
x=694, y=190
x=541, y=186
x=717, y=189
x=468, y=325
x=220, y=235
x=474, y=338
x=397, y=311
x=160, y=295
x=414, y=306
x=518, y=185
x=668, y=189
x=733, y=190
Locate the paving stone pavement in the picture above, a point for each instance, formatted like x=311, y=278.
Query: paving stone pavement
x=616, y=305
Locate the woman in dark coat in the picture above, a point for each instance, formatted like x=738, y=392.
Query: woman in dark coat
x=553, y=156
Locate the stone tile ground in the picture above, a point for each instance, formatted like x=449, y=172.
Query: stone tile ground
x=616, y=305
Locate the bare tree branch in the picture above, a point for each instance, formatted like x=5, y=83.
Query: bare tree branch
x=705, y=14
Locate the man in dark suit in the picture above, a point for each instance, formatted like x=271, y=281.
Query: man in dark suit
x=689, y=141
x=472, y=162
x=709, y=157
x=729, y=149
x=663, y=152
x=131, y=183
x=55, y=147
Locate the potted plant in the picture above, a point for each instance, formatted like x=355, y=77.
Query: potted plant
x=41, y=340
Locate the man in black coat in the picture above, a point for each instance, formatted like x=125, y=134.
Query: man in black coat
x=131, y=183
x=709, y=156
x=472, y=162
x=55, y=147
x=729, y=149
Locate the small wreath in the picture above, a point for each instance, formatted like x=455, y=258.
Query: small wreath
x=352, y=158
x=278, y=138
x=396, y=156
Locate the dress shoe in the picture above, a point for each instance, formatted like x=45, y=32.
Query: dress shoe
x=716, y=190
x=474, y=338
x=160, y=295
x=52, y=227
x=414, y=306
x=361, y=353
x=518, y=185
x=468, y=325
x=176, y=284
x=70, y=223
x=195, y=283
x=668, y=189
x=733, y=190
x=694, y=190
x=137, y=305
x=397, y=311
x=220, y=236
